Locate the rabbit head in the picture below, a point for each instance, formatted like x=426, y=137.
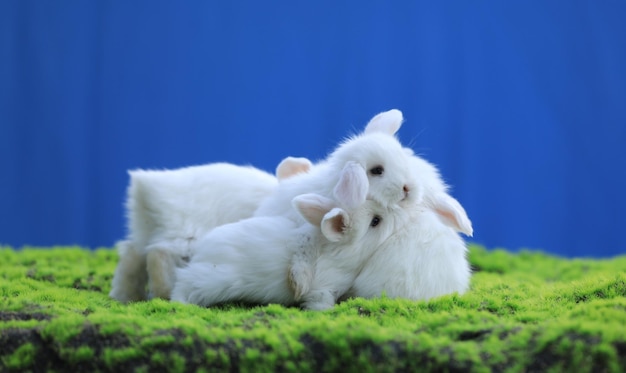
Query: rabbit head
x=382, y=156
x=425, y=257
x=350, y=216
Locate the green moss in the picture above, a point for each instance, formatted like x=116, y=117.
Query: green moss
x=158, y=358
x=82, y=354
x=157, y=341
x=525, y=311
x=118, y=356
x=23, y=357
x=177, y=363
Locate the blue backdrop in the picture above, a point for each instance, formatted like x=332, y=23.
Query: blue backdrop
x=522, y=105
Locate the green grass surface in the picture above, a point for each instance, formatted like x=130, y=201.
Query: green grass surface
x=525, y=312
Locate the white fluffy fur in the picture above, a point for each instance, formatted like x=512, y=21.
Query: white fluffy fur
x=242, y=261
x=248, y=261
x=428, y=258
x=168, y=209
x=376, y=146
x=333, y=269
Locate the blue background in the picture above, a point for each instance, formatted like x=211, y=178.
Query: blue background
x=521, y=104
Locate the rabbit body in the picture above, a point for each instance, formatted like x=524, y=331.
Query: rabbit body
x=244, y=261
x=426, y=260
x=262, y=259
x=248, y=261
x=169, y=209
x=189, y=201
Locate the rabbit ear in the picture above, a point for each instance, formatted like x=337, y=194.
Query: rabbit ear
x=292, y=166
x=334, y=224
x=387, y=122
x=351, y=189
x=313, y=207
x=451, y=213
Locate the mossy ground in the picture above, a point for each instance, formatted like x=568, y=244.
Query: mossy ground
x=525, y=312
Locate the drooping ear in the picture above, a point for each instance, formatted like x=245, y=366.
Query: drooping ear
x=451, y=213
x=312, y=207
x=292, y=166
x=334, y=224
x=388, y=122
x=351, y=189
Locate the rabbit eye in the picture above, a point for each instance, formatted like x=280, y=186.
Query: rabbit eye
x=375, y=221
x=377, y=170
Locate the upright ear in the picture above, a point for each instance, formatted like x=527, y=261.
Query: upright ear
x=334, y=224
x=351, y=189
x=292, y=166
x=451, y=213
x=312, y=207
x=388, y=122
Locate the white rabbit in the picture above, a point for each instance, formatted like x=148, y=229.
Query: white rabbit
x=248, y=261
x=376, y=149
x=168, y=209
x=427, y=259
x=228, y=269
